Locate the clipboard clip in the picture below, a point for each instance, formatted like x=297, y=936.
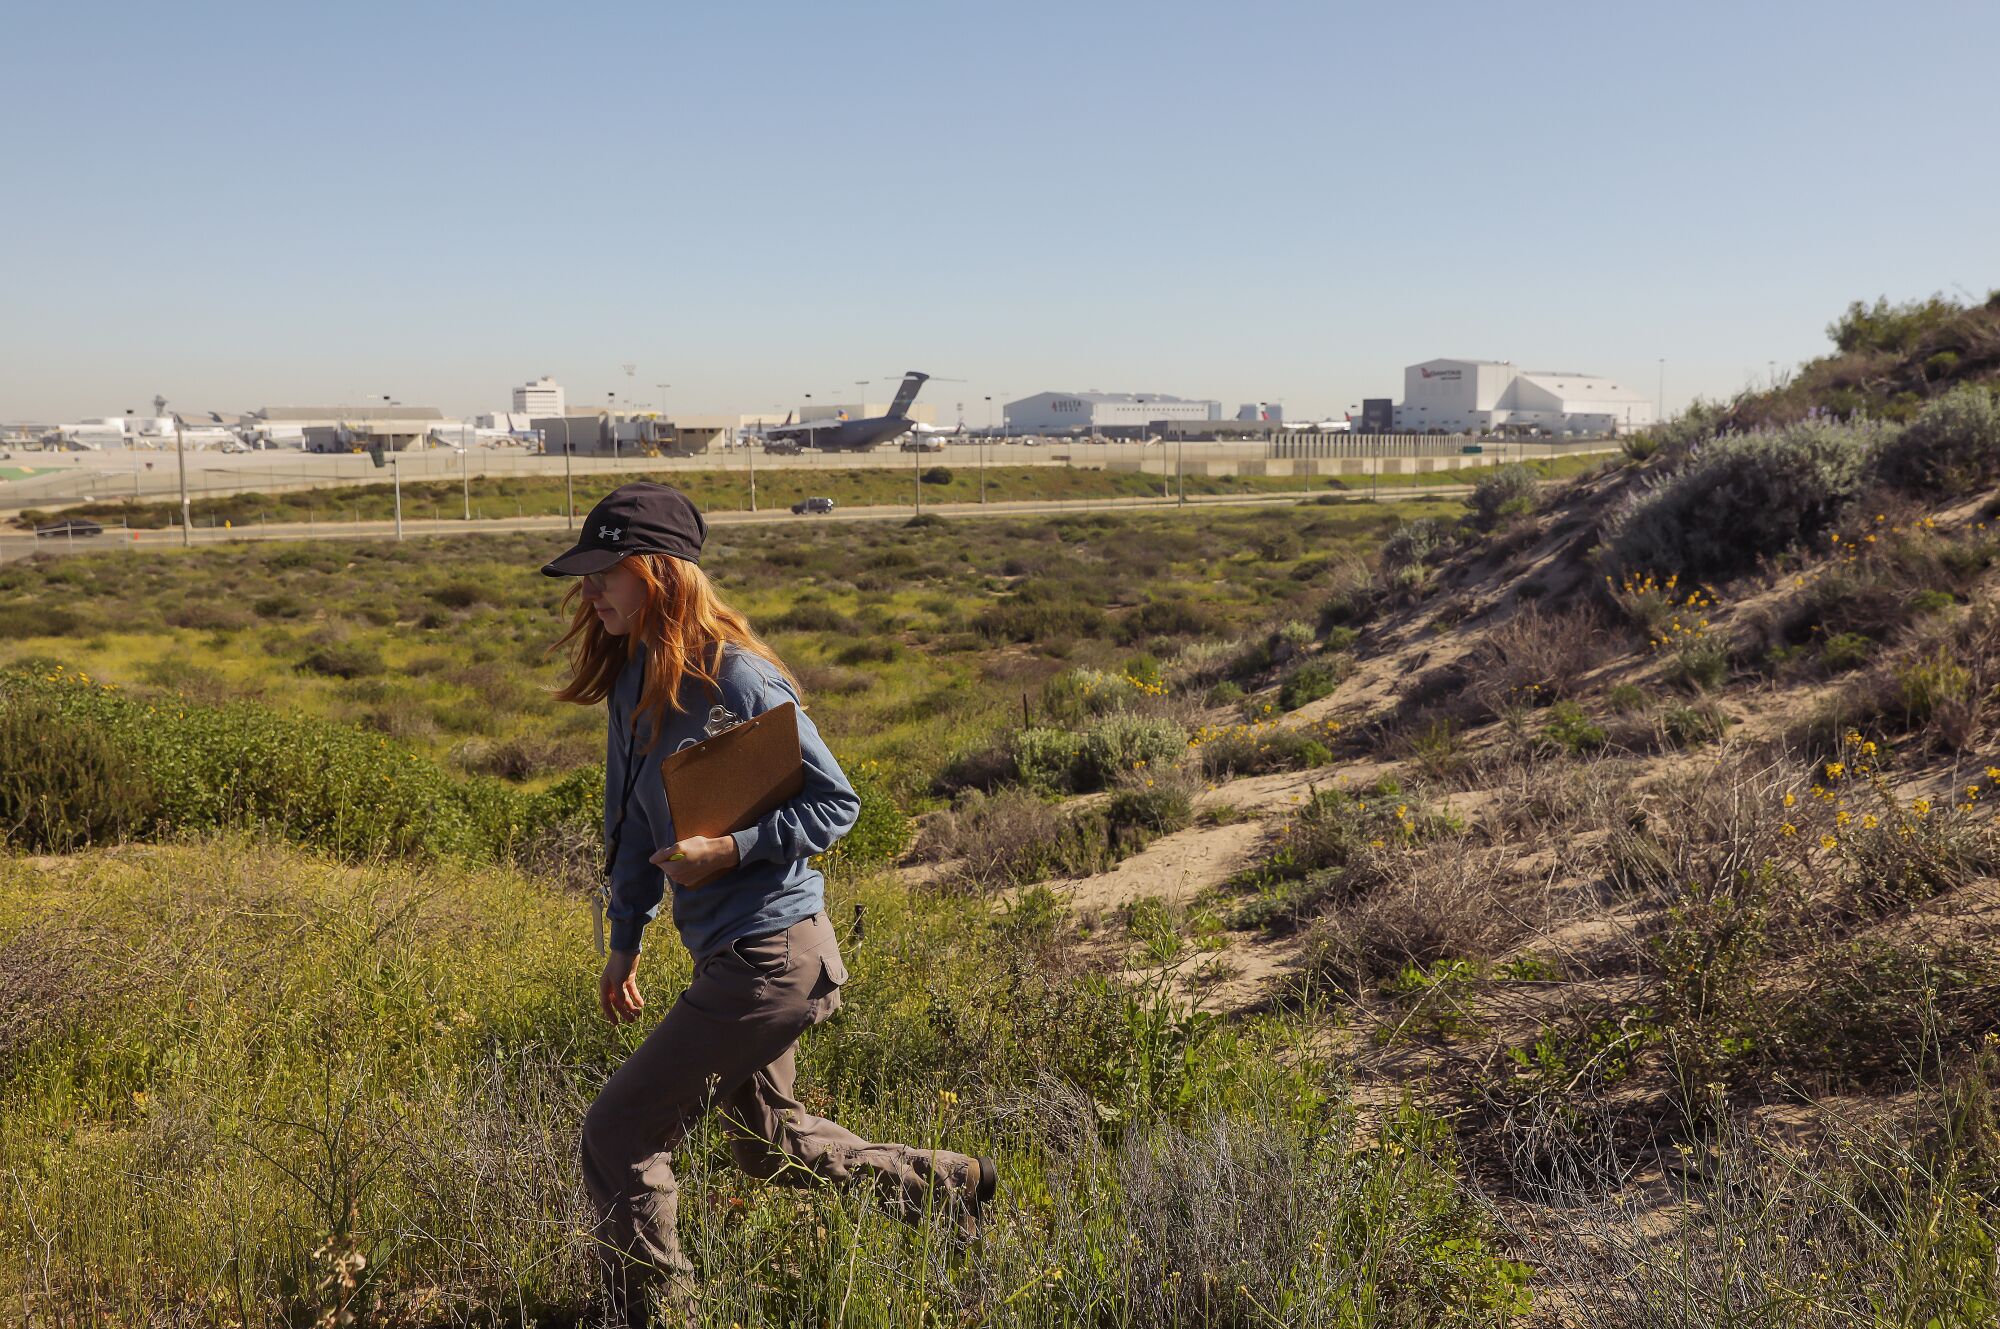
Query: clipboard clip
x=720, y=720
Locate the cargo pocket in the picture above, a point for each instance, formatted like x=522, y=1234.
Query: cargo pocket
x=824, y=999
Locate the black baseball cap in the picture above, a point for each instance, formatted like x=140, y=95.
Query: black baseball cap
x=637, y=518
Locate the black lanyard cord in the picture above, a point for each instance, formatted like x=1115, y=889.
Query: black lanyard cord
x=632, y=769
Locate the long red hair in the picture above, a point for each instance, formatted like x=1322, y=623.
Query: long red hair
x=684, y=624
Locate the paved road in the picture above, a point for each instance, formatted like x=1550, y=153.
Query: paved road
x=69, y=477
x=20, y=546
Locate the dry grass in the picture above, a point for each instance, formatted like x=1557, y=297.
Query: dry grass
x=1539, y=656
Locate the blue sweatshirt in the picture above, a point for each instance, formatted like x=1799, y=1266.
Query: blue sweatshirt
x=774, y=886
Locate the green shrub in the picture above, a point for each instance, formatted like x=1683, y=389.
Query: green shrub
x=1044, y=757
x=1076, y=695
x=1701, y=665
x=64, y=781
x=462, y=594
x=1351, y=604
x=882, y=833
x=1845, y=650
x=1932, y=602
x=37, y=620
x=1309, y=682
x=1626, y=698
x=342, y=659
x=1675, y=440
x=1952, y=447
x=1504, y=491
x=328, y=786
x=575, y=799
x=277, y=606
x=1874, y=1013
x=869, y=650
x=1436, y=747
x=1568, y=728
x=1294, y=633
x=1117, y=743
x=1175, y=617
x=1418, y=542
x=1898, y=328
x=1341, y=638
x=1925, y=686
x=1144, y=671
x=1684, y=726
x=1742, y=499
x=1225, y=693
x=936, y=475
x=1040, y=612
x=1252, y=749
x=811, y=616
x=1157, y=806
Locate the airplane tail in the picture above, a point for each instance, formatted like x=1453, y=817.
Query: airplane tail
x=900, y=408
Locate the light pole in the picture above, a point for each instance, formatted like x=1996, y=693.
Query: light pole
x=180, y=458
x=862, y=383
x=396, y=470
x=982, y=448
x=465, y=468
x=611, y=418
x=569, y=479
x=1660, y=403
x=663, y=398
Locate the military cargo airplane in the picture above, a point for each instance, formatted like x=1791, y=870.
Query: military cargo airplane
x=853, y=435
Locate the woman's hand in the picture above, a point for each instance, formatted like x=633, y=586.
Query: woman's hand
x=689, y=860
x=617, y=991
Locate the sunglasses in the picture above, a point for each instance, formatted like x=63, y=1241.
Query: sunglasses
x=595, y=581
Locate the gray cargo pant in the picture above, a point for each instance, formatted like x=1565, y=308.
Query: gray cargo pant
x=728, y=1043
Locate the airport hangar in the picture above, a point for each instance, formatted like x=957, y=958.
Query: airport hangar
x=1454, y=396
x=1101, y=412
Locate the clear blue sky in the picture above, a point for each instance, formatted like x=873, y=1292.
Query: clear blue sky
x=241, y=205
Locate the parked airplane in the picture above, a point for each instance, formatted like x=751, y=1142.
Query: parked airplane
x=114, y=432
x=853, y=435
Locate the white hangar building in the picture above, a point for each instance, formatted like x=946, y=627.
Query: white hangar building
x=1094, y=412
x=1452, y=396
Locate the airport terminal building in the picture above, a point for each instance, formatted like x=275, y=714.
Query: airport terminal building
x=1099, y=412
x=1454, y=396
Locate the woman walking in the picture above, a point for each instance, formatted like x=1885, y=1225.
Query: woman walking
x=650, y=637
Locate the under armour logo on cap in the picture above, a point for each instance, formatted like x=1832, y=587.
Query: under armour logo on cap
x=641, y=517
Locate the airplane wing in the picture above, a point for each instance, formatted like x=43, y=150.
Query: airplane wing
x=802, y=432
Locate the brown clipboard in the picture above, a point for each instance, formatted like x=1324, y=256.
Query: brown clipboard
x=733, y=780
